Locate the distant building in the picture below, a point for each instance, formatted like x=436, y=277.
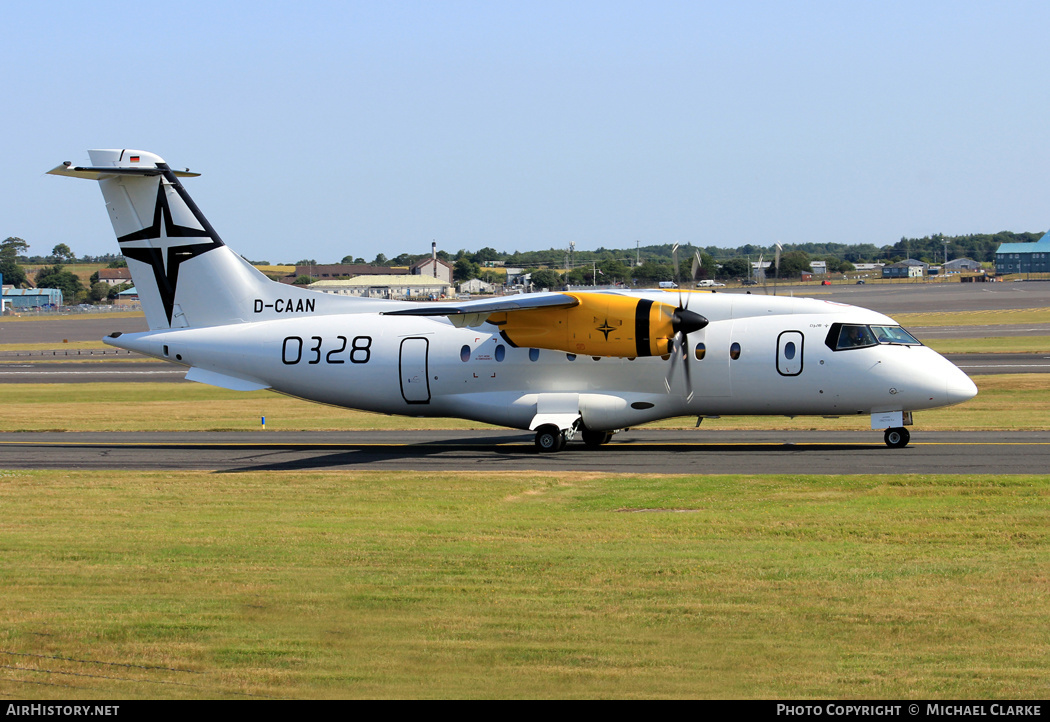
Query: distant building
x=960, y=265
x=476, y=285
x=392, y=286
x=1024, y=257
x=819, y=267
x=905, y=269
x=345, y=270
x=114, y=276
x=128, y=297
x=433, y=267
x=758, y=270
x=19, y=298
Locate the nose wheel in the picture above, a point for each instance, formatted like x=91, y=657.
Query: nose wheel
x=897, y=438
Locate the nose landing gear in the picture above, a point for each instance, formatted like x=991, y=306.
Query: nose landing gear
x=550, y=438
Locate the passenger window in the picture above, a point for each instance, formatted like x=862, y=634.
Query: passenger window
x=700, y=351
x=734, y=351
x=789, y=350
x=534, y=354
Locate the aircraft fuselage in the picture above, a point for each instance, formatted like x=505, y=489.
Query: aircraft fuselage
x=421, y=366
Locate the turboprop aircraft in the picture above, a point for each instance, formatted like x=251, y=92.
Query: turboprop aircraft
x=566, y=365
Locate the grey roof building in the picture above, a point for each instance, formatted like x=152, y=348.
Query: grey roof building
x=961, y=264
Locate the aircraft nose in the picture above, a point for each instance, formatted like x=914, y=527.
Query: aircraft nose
x=959, y=387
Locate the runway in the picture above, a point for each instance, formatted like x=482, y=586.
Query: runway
x=57, y=372
x=643, y=451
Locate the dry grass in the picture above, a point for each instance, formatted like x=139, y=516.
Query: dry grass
x=59, y=346
x=974, y=318
x=991, y=344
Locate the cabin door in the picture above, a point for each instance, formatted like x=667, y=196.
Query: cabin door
x=415, y=384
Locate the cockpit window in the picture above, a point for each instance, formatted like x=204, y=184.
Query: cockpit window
x=851, y=336
x=894, y=334
x=844, y=336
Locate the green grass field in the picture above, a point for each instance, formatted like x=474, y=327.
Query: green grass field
x=511, y=585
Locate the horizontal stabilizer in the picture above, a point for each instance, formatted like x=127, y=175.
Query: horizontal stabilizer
x=98, y=172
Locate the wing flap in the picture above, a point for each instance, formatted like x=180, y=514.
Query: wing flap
x=474, y=313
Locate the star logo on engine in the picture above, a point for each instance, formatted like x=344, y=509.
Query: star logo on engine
x=605, y=328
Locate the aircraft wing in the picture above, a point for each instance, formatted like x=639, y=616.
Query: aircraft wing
x=474, y=313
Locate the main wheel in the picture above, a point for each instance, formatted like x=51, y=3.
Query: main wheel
x=594, y=439
x=897, y=438
x=549, y=438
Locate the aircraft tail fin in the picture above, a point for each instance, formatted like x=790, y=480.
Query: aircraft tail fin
x=184, y=274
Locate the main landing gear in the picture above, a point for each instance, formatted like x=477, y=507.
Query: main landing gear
x=897, y=438
x=550, y=438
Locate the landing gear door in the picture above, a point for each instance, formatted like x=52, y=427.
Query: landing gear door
x=789, y=353
x=415, y=385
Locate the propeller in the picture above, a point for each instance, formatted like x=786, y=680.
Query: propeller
x=683, y=323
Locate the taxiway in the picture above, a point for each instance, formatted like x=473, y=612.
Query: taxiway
x=640, y=451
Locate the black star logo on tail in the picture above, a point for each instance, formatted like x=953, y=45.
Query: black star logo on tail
x=165, y=246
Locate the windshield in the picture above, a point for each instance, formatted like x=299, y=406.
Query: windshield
x=894, y=334
x=843, y=336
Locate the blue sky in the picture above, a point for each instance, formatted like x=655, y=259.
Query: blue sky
x=353, y=128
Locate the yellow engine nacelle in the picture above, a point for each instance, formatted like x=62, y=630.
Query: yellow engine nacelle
x=601, y=325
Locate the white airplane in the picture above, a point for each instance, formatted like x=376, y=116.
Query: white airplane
x=565, y=365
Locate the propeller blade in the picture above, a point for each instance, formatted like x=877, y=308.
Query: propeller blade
x=688, y=376
x=674, y=255
x=683, y=323
x=696, y=266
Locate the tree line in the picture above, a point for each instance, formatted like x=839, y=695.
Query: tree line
x=643, y=265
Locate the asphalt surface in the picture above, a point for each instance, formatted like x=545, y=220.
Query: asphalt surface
x=642, y=451
x=976, y=364
x=71, y=328
x=893, y=298
x=92, y=372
